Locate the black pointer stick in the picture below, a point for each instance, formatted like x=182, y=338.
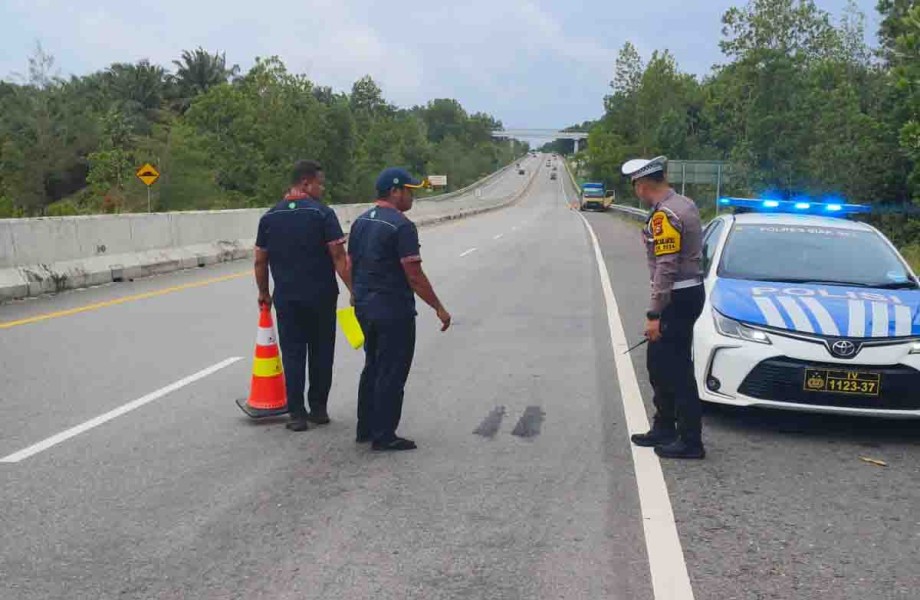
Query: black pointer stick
x=644, y=340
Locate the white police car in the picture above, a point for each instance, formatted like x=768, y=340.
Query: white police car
x=807, y=311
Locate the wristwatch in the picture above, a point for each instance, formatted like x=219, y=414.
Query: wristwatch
x=652, y=315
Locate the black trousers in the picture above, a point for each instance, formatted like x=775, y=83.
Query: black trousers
x=670, y=368
x=306, y=330
x=389, y=348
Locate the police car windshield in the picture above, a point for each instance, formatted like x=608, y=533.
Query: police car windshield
x=819, y=255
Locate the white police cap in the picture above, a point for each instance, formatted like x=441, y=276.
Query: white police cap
x=640, y=167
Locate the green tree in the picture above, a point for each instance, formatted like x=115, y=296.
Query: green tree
x=197, y=71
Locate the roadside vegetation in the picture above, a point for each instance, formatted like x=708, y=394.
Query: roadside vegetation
x=220, y=138
x=801, y=105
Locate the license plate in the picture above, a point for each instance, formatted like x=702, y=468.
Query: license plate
x=859, y=383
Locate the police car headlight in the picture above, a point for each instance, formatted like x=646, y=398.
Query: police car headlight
x=915, y=348
x=734, y=329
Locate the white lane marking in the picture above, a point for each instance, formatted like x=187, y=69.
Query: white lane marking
x=825, y=322
x=112, y=414
x=468, y=252
x=879, y=319
x=857, y=326
x=770, y=312
x=902, y=320
x=670, y=580
x=799, y=319
x=499, y=236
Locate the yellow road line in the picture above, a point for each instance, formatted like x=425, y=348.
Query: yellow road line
x=122, y=300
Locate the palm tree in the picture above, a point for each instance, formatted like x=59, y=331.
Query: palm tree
x=141, y=84
x=197, y=72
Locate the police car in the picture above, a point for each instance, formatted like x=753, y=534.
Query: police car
x=806, y=310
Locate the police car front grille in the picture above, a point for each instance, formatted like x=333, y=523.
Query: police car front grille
x=781, y=380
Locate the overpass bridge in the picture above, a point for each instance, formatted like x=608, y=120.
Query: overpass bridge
x=542, y=134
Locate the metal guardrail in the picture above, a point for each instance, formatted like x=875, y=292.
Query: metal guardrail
x=632, y=212
x=476, y=184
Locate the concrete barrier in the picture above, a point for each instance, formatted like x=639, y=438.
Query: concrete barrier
x=51, y=254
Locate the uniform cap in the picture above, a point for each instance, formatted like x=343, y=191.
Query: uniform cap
x=395, y=177
x=640, y=167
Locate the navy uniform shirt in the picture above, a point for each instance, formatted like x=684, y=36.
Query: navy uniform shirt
x=381, y=241
x=297, y=233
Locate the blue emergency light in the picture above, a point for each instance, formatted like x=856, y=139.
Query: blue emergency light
x=765, y=205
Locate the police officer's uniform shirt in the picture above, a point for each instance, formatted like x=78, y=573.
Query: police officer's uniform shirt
x=674, y=245
x=380, y=242
x=297, y=233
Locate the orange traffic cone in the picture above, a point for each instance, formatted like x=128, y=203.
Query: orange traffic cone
x=267, y=397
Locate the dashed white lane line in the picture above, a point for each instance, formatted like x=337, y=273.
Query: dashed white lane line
x=499, y=236
x=468, y=252
x=112, y=414
x=670, y=580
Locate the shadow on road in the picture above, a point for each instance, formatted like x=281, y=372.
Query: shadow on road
x=863, y=430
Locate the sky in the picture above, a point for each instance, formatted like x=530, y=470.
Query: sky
x=529, y=63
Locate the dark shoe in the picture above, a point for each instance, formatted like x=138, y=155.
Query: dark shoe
x=298, y=424
x=318, y=418
x=681, y=449
x=394, y=445
x=363, y=438
x=655, y=437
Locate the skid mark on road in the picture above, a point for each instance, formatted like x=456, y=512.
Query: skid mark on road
x=491, y=424
x=530, y=423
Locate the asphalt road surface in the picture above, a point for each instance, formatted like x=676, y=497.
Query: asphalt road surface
x=126, y=470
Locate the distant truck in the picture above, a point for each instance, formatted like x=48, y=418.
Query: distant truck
x=595, y=196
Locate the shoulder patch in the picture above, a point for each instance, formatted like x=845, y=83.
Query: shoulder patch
x=664, y=234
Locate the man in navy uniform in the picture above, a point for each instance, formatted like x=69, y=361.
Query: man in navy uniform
x=673, y=239
x=301, y=242
x=387, y=269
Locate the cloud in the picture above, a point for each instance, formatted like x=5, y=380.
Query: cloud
x=530, y=63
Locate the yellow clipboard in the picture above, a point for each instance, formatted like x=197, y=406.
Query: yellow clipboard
x=350, y=326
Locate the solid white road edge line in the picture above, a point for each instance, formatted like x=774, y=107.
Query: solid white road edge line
x=499, y=236
x=670, y=580
x=468, y=252
x=112, y=414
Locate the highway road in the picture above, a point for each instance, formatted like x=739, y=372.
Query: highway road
x=126, y=470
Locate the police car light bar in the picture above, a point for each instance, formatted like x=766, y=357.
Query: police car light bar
x=795, y=206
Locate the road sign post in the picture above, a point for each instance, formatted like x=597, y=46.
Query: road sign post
x=705, y=172
x=148, y=174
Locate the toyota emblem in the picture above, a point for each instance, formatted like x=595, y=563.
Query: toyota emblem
x=843, y=348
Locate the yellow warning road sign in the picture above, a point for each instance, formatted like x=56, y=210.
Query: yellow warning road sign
x=148, y=174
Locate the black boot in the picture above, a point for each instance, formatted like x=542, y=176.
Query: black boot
x=681, y=448
x=298, y=423
x=657, y=436
x=318, y=417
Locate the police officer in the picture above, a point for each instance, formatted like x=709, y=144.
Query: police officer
x=673, y=240
x=301, y=242
x=387, y=267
